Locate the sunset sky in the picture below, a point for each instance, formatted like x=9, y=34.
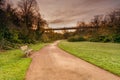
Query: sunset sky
x=62, y=13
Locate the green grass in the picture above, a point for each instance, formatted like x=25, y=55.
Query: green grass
x=104, y=55
x=13, y=65
x=37, y=47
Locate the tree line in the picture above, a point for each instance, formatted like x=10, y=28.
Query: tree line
x=21, y=24
x=106, y=28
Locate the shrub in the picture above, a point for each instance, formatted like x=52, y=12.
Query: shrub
x=45, y=38
x=76, y=38
x=93, y=40
x=110, y=38
x=6, y=45
x=107, y=39
x=116, y=38
x=100, y=39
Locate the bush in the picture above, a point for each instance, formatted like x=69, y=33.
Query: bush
x=76, y=39
x=25, y=39
x=116, y=38
x=93, y=40
x=6, y=45
x=100, y=39
x=45, y=38
x=110, y=38
x=107, y=39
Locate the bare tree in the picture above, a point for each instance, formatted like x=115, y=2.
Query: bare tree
x=2, y=3
x=115, y=21
x=97, y=20
x=27, y=6
x=28, y=9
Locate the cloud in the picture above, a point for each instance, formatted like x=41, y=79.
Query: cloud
x=68, y=16
x=56, y=21
x=63, y=12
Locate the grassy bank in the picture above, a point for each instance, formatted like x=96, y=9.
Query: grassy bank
x=104, y=55
x=13, y=65
x=37, y=47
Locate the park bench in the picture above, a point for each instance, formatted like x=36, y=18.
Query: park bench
x=26, y=50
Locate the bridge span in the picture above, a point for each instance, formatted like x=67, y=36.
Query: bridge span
x=71, y=28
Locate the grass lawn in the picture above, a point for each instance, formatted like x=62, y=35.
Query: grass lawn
x=13, y=65
x=104, y=55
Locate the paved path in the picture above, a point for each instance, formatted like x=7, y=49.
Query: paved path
x=52, y=63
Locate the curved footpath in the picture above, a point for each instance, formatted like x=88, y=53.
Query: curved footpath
x=52, y=63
